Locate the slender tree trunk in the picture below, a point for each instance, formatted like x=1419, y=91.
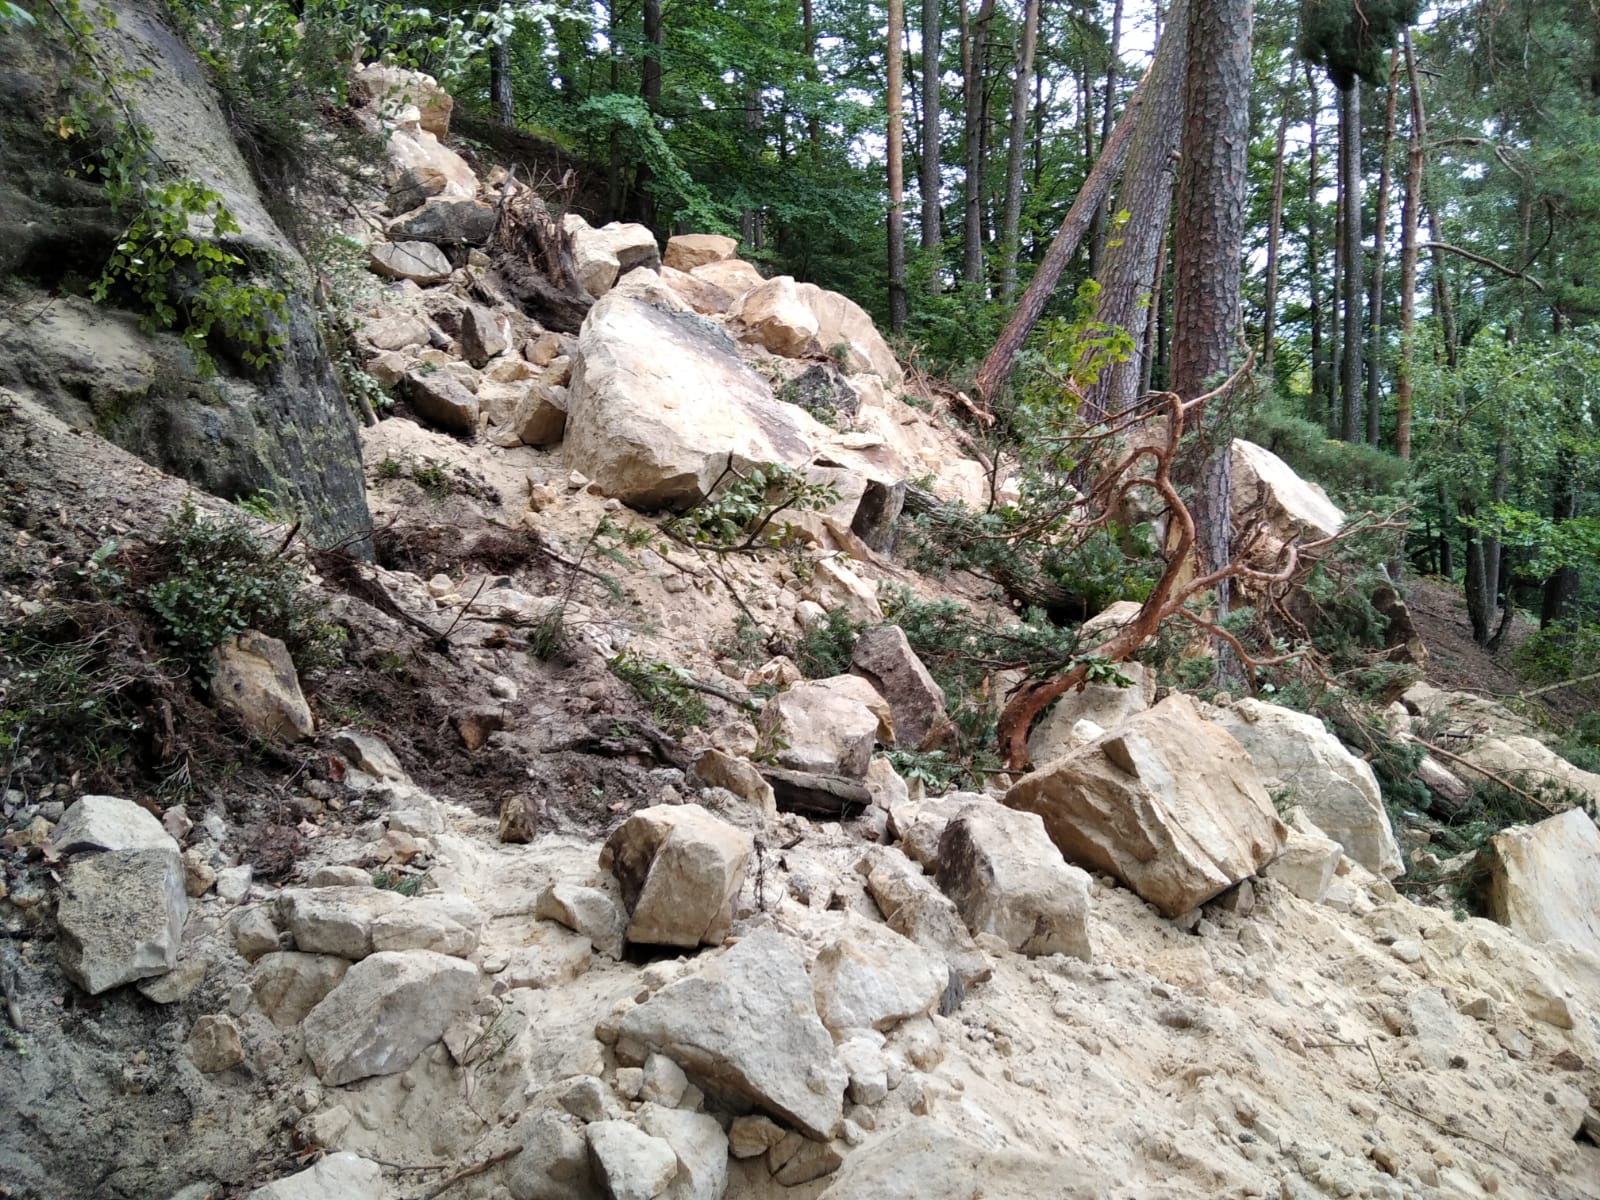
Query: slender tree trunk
x=1408, y=262
x=1012, y=219
x=975, y=64
x=897, y=183
x=1335, y=342
x=932, y=232
x=1350, y=366
x=1562, y=586
x=1155, y=339
x=1128, y=272
x=749, y=218
x=1269, y=316
x=1210, y=235
x=650, y=93
x=1102, y=218
x=996, y=368
x=1379, y=250
x=1320, y=382
x=808, y=32
x=500, y=91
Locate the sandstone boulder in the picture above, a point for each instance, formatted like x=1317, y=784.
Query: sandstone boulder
x=253, y=677
x=825, y=726
x=1308, y=862
x=421, y=166
x=341, y=1176
x=1007, y=879
x=687, y=251
x=772, y=314
x=541, y=417
x=1108, y=621
x=554, y=1161
x=388, y=1009
x=884, y=658
x=701, y=295
x=120, y=915
x=445, y=221
x=713, y=768
x=734, y=276
x=834, y=585
x=396, y=331
x=443, y=401
x=1544, y=880
x=288, y=984
x=868, y=976
x=660, y=404
x=215, y=1044
x=701, y=1148
x=1294, y=751
x=604, y=254
x=444, y=924
x=919, y=824
x=482, y=336
x=1531, y=763
x=680, y=869
x=1103, y=705
x=109, y=823
x=584, y=910
x=914, y=908
x=386, y=91
x=1266, y=490
x=1170, y=804
x=421, y=262
x=843, y=327
x=629, y=1163
x=747, y=1025
x=335, y=920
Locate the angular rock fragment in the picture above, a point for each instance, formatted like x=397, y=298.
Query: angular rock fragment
x=120, y=917
x=1544, y=880
x=680, y=869
x=870, y=977
x=254, y=678
x=884, y=658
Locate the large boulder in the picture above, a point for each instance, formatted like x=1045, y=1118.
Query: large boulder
x=288, y=984
x=1170, y=804
x=844, y=328
x=1105, y=706
x=388, y=92
x=686, y=251
x=914, y=908
x=421, y=262
x=868, y=976
x=446, y=221
x=253, y=677
x=335, y=920
x=733, y=276
x=660, y=405
x=884, y=658
x=1530, y=763
x=541, y=416
x=680, y=869
x=1294, y=752
x=443, y=401
x=826, y=726
x=1544, y=880
x=109, y=823
x=341, y=1176
x=1308, y=862
x=120, y=916
x=387, y=1010
x=772, y=314
x=747, y=1025
x=1006, y=879
x=602, y=255
x=1267, y=492
x=421, y=167
x=630, y=1163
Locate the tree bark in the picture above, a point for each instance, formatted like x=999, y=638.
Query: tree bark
x=1100, y=231
x=1320, y=374
x=500, y=91
x=1375, y=294
x=1210, y=235
x=1269, y=316
x=974, y=65
x=897, y=183
x=932, y=233
x=1128, y=273
x=1404, y=384
x=1012, y=218
x=1350, y=251
x=996, y=368
x=808, y=33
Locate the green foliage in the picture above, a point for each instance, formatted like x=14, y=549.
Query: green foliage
x=1558, y=652
x=400, y=882
x=743, y=514
x=746, y=645
x=212, y=579
x=663, y=688
x=1580, y=745
x=825, y=648
x=1351, y=37
x=58, y=693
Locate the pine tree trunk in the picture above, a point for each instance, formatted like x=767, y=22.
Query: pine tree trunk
x=1100, y=231
x=1375, y=294
x=932, y=232
x=1128, y=273
x=974, y=64
x=1012, y=218
x=808, y=33
x=1210, y=234
x=1404, y=385
x=897, y=183
x=1562, y=586
x=500, y=91
x=1350, y=253
x=650, y=93
x=1320, y=373
x=1269, y=316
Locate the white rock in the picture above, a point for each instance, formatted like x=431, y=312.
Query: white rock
x=1263, y=483
x=680, y=868
x=120, y=916
x=773, y=315
x=1308, y=862
x=701, y=1148
x=445, y=924
x=826, y=726
x=630, y=1164
x=1544, y=880
x=335, y=920
x=421, y=262
x=341, y=1176
x=841, y=322
x=834, y=585
x=388, y=1009
x=109, y=823
x=1294, y=751
x=869, y=977
x=585, y=910
x=1101, y=706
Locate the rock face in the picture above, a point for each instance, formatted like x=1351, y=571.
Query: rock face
x=680, y=868
x=659, y=405
x=1266, y=489
x=421, y=262
x=387, y=1009
x=120, y=917
x=1102, y=704
x=748, y=1025
x=109, y=823
x=1338, y=791
x=687, y=251
x=341, y=1176
x=884, y=658
x=1544, y=880
x=1170, y=804
x=870, y=977
x=1006, y=878
x=826, y=726
x=773, y=315
x=254, y=678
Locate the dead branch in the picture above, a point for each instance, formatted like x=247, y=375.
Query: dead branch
x=1511, y=272
x=1487, y=774
x=479, y=1168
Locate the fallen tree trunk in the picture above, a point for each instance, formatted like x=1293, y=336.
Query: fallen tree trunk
x=830, y=796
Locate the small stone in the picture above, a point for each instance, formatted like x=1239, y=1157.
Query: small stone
x=630, y=1082
x=664, y=1081
x=753, y=1135
x=198, y=874
x=332, y=876
x=630, y=1164
x=503, y=689
x=1407, y=950
x=215, y=1044
x=176, y=822
x=254, y=934
x=517, y=822
x=233, y=883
